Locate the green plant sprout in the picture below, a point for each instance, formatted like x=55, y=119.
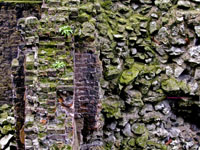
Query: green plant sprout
x=58, y=65
x=65, y=30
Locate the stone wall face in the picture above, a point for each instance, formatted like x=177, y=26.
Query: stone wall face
x=49, y=81
x=150, y=52
x=150, y=79
x=10, y=40
x=12, y=72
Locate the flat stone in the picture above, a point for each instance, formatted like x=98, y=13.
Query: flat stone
x=185, y=4
x=197, y=30
x=175, y=51
x=127, y=130
x=194, y=54
x=138, y=128
x=178, y=70
x=153, y=27
x=197, y=74
x=4, y=141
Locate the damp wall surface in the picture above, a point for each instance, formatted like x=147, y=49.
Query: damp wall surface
x=12, y=72
x=147, y=54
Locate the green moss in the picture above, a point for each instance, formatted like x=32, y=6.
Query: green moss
x=83, y=17
x=171, y=85
x=131, y=142
x=7, y=128
x=129, y=75
x=4, y=107
x=139, y=128
x=86, y=7
x=47, y=51
x=157, y=145
x=51, y=43
x=112, y=72
x=41, y=135
x=112, y=107
x=142, y=141
x=106, y=4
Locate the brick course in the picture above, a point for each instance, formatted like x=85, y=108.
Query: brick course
x=87, y=73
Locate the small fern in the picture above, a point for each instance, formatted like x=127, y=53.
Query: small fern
x=58, y=65
x=65, y=30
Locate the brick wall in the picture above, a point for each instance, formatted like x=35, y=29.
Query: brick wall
x=9, y=42
x=87, y=75
x=12, y=62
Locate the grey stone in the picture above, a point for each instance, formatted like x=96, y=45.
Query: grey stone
x=163, y=4
x=159, y=106
x=152, y=116
x=112, y=126
x=153, y=97
x=197, y=30
x=180, y=121
x=166, y=110
x=151, y=127
x=174, y=132
x=184, y=3
x=175, y=51
x=31, y=20
x=153, y=27
x=135, y=6
x=178, y=70
x=118, y=36
x=132, y=116
x=193, y=86
x=197, y=74
x=134, y=98
x=194, y=54
x=127, y=130
x=146, y=1
x=146, y=108
x=138, y=128
x=133, y=51
x=4, y=140
x=160, y=132
x=169, y=70
x=154, y=15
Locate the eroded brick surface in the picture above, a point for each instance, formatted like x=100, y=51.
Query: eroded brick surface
x=87, y=73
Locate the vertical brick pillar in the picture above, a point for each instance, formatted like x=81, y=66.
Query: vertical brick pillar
x=86, y=99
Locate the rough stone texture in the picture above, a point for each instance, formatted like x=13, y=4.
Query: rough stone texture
x=150, y=84
x=49, y=87
x=87, y=74
x=12, y=69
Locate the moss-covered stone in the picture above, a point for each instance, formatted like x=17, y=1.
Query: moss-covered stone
x=112, y=72
x=139, y=129
x=106, y=4
x=163, y=4
x=129, y=75
x=170, y=85
x=131, y=142
x=112, y=107
x=157, y=145
x=83, y=17
x=137, y=68
x=173, y=85
x=142, y=141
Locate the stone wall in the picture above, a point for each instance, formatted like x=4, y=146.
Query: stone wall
x=49, y=81
x=12, y=72
x=149, y=53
